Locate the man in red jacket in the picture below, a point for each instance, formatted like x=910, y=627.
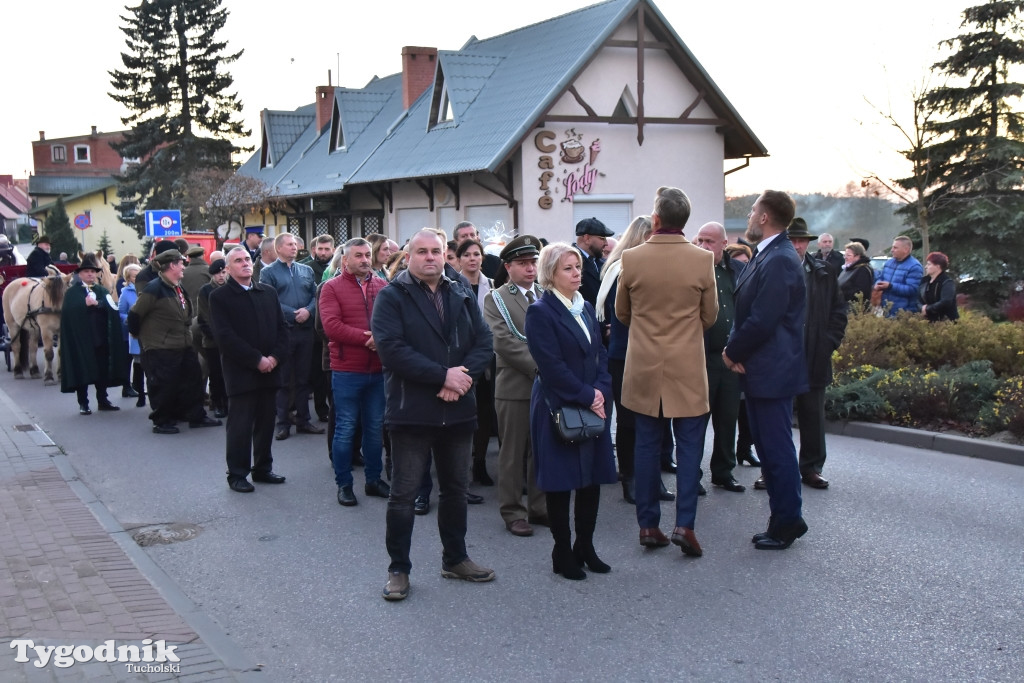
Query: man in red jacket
x=357, y=379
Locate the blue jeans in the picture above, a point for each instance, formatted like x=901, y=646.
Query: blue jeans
x=689, y=433
x=358, y=400
x=410, y=453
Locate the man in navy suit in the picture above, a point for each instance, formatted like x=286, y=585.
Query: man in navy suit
x=767, y=348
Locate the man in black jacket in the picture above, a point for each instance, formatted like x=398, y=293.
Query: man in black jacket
x=249, y=327
x=433, y=342
x=823, y=333
x=38, y=258
x=591, y=237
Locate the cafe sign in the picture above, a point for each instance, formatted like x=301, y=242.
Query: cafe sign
x=566, y=165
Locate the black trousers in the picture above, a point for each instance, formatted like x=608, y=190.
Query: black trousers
x=295, y=373
x=250, y=432
x=175, y=385
x=319, y=379
x=625, y=421
x=218, y=395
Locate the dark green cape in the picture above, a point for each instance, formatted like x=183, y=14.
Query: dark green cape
x=77, y=356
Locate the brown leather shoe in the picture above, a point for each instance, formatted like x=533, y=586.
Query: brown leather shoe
x=397, y=587
x=687, y=541
x=760, y=484
x=653, y=538
x=814, y=480
x=519, y=527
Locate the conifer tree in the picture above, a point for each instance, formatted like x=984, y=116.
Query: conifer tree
x=182, y=112
x=58, y=228
x=104, y=244
x=977, y=158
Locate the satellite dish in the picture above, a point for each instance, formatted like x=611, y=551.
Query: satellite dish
x=229, y=231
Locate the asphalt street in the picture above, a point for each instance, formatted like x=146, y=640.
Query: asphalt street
x=913, y=569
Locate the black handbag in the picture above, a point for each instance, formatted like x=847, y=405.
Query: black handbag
x=574, y=424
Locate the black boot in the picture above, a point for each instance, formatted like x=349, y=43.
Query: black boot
x=629, y=490
x=139, y=384
x=587, y=501
x=480, y=475
x=563, y=560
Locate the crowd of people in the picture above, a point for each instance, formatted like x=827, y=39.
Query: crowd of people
x=416, y=357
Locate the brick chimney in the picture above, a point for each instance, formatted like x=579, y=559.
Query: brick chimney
x=324, y=105
x=417, y=72
x=42, y=135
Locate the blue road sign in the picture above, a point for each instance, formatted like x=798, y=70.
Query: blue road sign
x=163, y=223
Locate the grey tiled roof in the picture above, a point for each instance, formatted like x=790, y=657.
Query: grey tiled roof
x=284, y=128
x=499, y=88
x=65, y=185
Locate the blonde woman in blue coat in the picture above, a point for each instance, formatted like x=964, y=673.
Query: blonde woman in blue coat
x=565, y=340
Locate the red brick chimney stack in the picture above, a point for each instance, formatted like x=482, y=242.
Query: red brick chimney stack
x=418, y=64
x=324, y=103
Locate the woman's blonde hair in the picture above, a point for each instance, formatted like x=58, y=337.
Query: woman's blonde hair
x=857, y=248
x=635, y=235
x=549, y=258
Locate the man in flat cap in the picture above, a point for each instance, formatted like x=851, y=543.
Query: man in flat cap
x=161, y=320
x=591, y=237
x=149, y=272
x=197, y=273
x=505, y=313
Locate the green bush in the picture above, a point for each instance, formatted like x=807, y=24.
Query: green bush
x=1006, y=411
x=911, y=341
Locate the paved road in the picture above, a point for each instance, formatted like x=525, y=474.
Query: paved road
x=913, y=569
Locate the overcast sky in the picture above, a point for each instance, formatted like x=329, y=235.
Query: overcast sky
x=797, y=71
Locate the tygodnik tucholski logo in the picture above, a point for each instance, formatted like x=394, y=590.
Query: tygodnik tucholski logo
x=150, y=657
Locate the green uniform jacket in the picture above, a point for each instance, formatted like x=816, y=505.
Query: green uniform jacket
x=158, y=319
x=77, y=342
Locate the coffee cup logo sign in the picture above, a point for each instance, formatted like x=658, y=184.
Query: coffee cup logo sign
x=572, y=151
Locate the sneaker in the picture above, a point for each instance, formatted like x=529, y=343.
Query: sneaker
x=467, y=570
x=397, y=587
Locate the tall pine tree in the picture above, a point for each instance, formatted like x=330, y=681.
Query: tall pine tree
x=977, y=159
x=58, y=228
x=183, y=116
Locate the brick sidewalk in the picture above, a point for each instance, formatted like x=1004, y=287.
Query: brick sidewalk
x=66, y=580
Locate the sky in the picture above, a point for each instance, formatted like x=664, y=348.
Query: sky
x=797, y=71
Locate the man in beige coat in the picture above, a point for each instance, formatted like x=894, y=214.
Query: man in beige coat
x=667, y=297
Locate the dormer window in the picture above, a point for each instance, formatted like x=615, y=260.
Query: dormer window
x=58, y=154
x=337, y=130
x=441, y=104
x=82, y=154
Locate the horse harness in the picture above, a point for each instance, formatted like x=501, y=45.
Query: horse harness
x=30, y=312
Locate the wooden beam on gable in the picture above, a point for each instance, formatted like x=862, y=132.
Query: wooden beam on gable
x=428, y=188
x=640, y=74
x=633, y=120
x=506, y=192
x=381, y=195
x=586, y=107
x=656, y=45
x=700, y=98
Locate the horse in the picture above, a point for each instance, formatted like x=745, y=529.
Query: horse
x=33, y=304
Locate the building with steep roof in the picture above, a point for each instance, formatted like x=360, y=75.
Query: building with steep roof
x=585, y=114
x=80, y=170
